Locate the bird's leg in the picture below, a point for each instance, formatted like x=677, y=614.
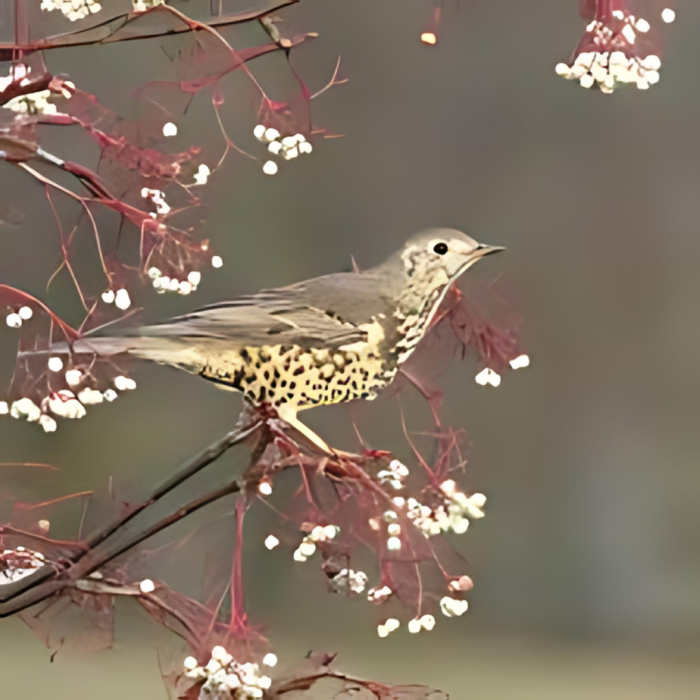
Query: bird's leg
x=289, y=416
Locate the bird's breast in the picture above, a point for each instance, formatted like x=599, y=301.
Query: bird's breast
x=305, y=377
x=412, y=322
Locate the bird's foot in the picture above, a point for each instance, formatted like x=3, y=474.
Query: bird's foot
x=287, y=416
x=376, y=454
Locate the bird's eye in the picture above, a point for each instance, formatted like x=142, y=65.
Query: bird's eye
x=440, y=248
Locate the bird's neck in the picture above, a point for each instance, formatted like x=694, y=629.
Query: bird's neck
x=417, y=306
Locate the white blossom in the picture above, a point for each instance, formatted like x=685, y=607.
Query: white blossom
x=74, y=377
x=55, y=364
x=169, y=129
x=427, y=622
x=287, y=147
x=451, y=515
x=143, y=5
x=64, y=404
x=122, y=299
x=124, y=383
x=488, y=376
x=194, y=278
x=18, y=563
x=414, y=626
x=463, y=583
x=608, y=69
x=25, y=313
x=379, y=595
x=270, y=660
x=307, y=548
x=89, y=397
x=330, y=531
x=202, y=175
x=461, y=526
x=391, y=625
x=271, y=542
x=48, y=423
x=398, y=468
x=25, y=408
x=14, y=320
x=452, y=607
x=72, y=9
x=520, y=362
x=668, y=15
x=223, y=674
x=18, y=73
x=158, y=198
x=448, y=487
x=147, y=586
x=394, y=475
x=393, y=543
x=321, y=533
x=32, y=103
x=349, y=581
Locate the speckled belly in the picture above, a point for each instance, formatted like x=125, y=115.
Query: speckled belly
x=280, y=374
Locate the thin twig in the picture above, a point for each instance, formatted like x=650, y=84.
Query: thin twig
x=91, y=556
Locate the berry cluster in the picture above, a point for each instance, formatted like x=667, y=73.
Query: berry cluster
x=64, y=403
x=615, y=50
x=72, y=9
x=286, y=147
x=223, y=678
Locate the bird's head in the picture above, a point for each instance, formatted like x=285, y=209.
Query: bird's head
x=437, y=257
x=422, y=271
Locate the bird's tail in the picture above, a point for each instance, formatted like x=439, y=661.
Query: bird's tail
x=163, y=350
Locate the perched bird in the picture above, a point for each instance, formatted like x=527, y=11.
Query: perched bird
x=323, y=341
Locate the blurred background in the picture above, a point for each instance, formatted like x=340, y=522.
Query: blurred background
x=586, y=568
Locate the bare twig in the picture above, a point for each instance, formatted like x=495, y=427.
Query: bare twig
x=98, y=550
x=127, y=27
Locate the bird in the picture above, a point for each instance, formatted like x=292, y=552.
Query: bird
x=326, y=340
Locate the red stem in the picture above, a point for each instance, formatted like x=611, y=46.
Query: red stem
x=604, y=9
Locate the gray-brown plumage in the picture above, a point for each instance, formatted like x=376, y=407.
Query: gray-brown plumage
x=323, y=341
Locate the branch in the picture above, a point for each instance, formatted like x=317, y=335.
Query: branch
x=120, y=29
x=92, y=555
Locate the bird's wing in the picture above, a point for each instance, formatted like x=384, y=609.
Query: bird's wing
x=249, y=324
x=349, y=297
x=325, y=312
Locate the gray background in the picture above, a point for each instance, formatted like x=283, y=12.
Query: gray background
x=586, y=567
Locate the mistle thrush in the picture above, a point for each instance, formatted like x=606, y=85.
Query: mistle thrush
x=323, y=341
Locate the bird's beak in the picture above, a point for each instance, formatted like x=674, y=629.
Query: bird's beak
x=483, y=250
x=474, y=252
